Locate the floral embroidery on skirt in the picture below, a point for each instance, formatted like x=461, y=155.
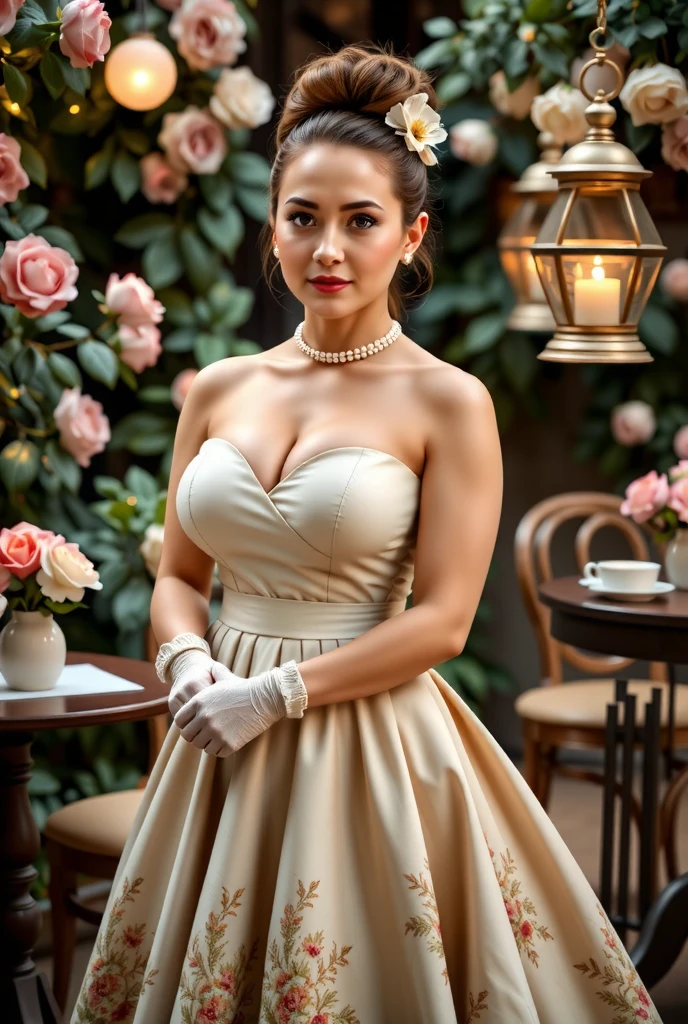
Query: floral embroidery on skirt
x=427, y=924
x=476, y=1006
x=297, y=986
x=115, y=975
x=520, y=911
x=624, y=991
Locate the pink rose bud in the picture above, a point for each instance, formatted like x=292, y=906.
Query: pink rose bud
x=633, y=423
x=8, y=15
x=133, y=300
x=84, y=429
x=140, y=346
x=180, y=386
x=646, y=496
x=85, y=32
x=20, y=549
x=674, y=278
x=161, y=183
x=13, y=177
x=37, y=277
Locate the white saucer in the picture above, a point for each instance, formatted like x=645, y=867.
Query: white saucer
x=596, y=587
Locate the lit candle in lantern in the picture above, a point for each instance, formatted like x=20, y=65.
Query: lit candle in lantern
x=596, y=300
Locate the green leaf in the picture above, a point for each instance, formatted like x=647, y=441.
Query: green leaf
x=658, y=330
x=248, y=169
x=639, y=137
x=97, y=167
x=141, y=231
x=199, y=262
x=161, y=262
x=543, y=10
x=42, y=783
x=156, y=394
x=253, y=202
x=453, y=86
x=65, y=370
x=178, y=308
x=65, y=467
x=652, y=28
x=216, y=191
x=518, y=358
x=33, y=163
x=32, y=216
x=125, y=175
x=51, y=72
x=552, y=59
x=77, y=331
x=225, y=231
x=19, y=464
x=137, y=425
x=435, y=54
x=63, y=240
x=239, y=309
x=209, y=348
x=515, y=58
x=99, y=360
x=181, y=340
x=484, y=332
x=78, y=79
x=141, y=483
x=438, y=28
x=135, y=141
x=16, y=83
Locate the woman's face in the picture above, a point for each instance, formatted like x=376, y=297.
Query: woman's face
x=339, y=229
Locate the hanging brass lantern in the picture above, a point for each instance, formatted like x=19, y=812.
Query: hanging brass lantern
x=598, y=252
x=535, y=190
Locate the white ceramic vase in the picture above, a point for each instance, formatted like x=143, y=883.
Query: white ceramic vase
x=676, y=559
x=33, y=651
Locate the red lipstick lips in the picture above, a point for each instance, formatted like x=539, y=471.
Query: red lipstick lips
x=328, y=283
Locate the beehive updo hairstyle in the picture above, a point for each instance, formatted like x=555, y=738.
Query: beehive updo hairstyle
x=342, y=98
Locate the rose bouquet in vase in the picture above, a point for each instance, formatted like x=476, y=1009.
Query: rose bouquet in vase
x=40, y=574
x=661, y=501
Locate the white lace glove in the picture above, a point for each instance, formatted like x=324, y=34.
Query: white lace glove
x=225, y=717
x=192, y=671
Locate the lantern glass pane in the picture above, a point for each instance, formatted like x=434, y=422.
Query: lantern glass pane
x=522, y=228
x=596, y=286
x=648, y=232
x=598, y=217
x=550, y=283
x=649, y=268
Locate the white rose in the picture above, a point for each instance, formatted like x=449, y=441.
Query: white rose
x=513, y=104
x=655, y=95
x=561, y=111
x=633, y=423
x=474, y=141
x=65, y=571
x=240, y=100
x=151, y=547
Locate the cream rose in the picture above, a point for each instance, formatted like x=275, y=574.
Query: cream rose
x=8, y=15
x=151, y=547
x=161, y=183
x=474, y=141
x=13, y=177
x=193, y=141
x=84, y=32
x=37, y=277
x=208, y=33
x=65, y=571
x=181, y=385
x=84, y=428
x=675, y=144
x=240, y=100
x=513, y=104
x=655, y=95
x=633, y=423
x=561, y=112
x=674, y=279
x=133, y=300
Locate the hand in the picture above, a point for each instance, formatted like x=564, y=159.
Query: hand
x=223, y=718
x=192, y=671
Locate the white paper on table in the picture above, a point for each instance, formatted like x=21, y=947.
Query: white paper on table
x=75, y=681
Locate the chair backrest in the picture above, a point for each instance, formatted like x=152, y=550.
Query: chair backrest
x=533, y=554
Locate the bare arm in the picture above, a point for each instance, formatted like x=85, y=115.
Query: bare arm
x=181, y=596
x=460, y=507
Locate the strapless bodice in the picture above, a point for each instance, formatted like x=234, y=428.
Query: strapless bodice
x=341, y=526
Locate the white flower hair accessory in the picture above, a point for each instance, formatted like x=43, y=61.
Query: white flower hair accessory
x=419, y=124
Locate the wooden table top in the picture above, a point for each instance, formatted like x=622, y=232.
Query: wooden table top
x=666, y=611
x=49, y=712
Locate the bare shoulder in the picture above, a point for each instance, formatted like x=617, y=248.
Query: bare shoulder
x=214, y=379
x=453, y=398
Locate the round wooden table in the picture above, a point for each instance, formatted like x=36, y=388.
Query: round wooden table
x=654, y=630
x=25, y=995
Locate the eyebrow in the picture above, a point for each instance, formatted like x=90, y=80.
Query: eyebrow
x=358, y=205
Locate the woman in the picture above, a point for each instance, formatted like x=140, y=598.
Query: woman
x=330, y=835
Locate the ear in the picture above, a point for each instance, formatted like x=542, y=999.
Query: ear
x=414, y=234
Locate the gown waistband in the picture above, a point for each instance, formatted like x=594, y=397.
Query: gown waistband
x=303, y=620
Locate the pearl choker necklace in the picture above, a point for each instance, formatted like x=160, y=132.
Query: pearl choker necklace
x=351, y=354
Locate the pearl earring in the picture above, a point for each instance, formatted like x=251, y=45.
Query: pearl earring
x=275, y=250
x=408, y=256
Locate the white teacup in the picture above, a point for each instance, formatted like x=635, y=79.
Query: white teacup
x=626, y=574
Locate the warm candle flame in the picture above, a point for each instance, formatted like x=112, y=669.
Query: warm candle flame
x=598, y=273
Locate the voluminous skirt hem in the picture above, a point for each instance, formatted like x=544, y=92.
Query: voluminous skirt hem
x=378, y=861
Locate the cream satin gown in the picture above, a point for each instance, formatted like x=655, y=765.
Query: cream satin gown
x=378, y=861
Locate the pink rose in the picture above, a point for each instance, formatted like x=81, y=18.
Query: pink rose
x=65, y=571
x=140, y=346
x=674, y=279
x=633, y=423
x=675, y=144
x=84, y=429
x=681, y=442
x=208, y=33
x=678, y=498
x=84, y=32
x=646, y=496
x=675, y=472
x=8, y=15
x=13, y=177
x=161, y=183
x=133, y=300
x=37, y=277
x=5, y=579
x=20, y=549
x=180, y=387
x=193, y=141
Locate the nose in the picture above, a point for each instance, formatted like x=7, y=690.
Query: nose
x=328, y=251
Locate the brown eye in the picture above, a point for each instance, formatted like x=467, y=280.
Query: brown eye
x=363, y=220
x=299, y=213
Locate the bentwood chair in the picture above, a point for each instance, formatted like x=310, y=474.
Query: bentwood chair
x=87, y=837
x=560, y=714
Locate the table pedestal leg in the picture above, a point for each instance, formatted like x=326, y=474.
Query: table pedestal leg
x=25, y=995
